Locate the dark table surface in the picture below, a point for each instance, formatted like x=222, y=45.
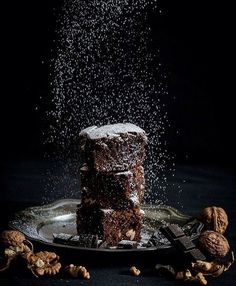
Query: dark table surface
x=26, y=183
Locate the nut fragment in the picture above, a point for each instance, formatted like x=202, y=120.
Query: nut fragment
x=43, y=262
x=15, y=240
x=77, y=271
x=200, y=278
x=187, y=276
x=183, y=275
x=214, y=243
x=208, y=268
x=10, y=255
x=130, y=234
x=214, y=218
x=134, y=271
x=15, y=247
x=8, y=252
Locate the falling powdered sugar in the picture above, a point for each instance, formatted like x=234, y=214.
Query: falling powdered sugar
x=105, y=72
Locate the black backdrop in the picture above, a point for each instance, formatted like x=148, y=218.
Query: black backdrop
x=194, y=41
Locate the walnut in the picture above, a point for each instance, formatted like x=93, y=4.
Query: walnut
x=208, y=268
x=14, y=241
x=43, y=262
x=14, y=238
x=77, y=271
x=200, y=278
x=214, y=243
x=187, y=276
x=184, y=275
x=214, y=218
x=134, y=271
x=10, y=255
x=130, y=234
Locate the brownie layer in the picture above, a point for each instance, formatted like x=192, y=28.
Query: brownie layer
x=115, y=147
x=118, y=190
x=111, y=225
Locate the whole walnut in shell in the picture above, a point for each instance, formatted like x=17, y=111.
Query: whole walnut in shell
x=213, y=243
x=214, y=218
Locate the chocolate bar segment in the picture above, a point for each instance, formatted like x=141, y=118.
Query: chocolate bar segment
x=173, y=231
x=195, y=254
x=114, y=147
x=181, y=242
x=184, y=243
x=83, y=240
x=62, y=238
x=127, y=244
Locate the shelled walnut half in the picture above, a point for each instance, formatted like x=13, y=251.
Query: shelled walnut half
x=134, y=271
x=43, y=262
x=15, y=244
x=188, y=277
x=14, y=238
x=208, y=268
x=77, y=271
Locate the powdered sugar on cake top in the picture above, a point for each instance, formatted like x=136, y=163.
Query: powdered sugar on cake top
x=112, y=130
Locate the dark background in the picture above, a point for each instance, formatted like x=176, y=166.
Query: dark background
x=195, y=43
x=194, y=40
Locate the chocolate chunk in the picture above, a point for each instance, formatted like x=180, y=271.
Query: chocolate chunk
x=194, y=255
x=172, y=231
x=85, y=240
x=88, y=240
x=182, y=243
x=127, y=244
x=61, y=238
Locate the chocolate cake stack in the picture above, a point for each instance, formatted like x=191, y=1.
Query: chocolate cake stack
x=112, y=182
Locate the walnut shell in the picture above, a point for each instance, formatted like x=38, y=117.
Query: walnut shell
x=214, y=218
x=213, y=243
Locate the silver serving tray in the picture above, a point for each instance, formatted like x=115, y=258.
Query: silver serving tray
x=39, y=223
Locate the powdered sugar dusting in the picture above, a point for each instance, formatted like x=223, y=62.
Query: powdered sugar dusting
x=105, y=71
x=112, y=130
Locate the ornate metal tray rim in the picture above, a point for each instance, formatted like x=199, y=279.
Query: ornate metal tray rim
x=30, y=220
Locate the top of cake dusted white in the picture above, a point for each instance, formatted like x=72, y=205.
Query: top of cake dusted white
x=112, y=130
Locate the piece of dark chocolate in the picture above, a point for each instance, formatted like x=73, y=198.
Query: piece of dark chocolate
x=181, y=242
x=194, y=255
x=83, y=240
x=127, y=244
x=61, y=238
x=184, y=243
x=172, y=231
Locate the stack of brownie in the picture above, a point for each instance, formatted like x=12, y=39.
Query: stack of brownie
x=112, y=182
